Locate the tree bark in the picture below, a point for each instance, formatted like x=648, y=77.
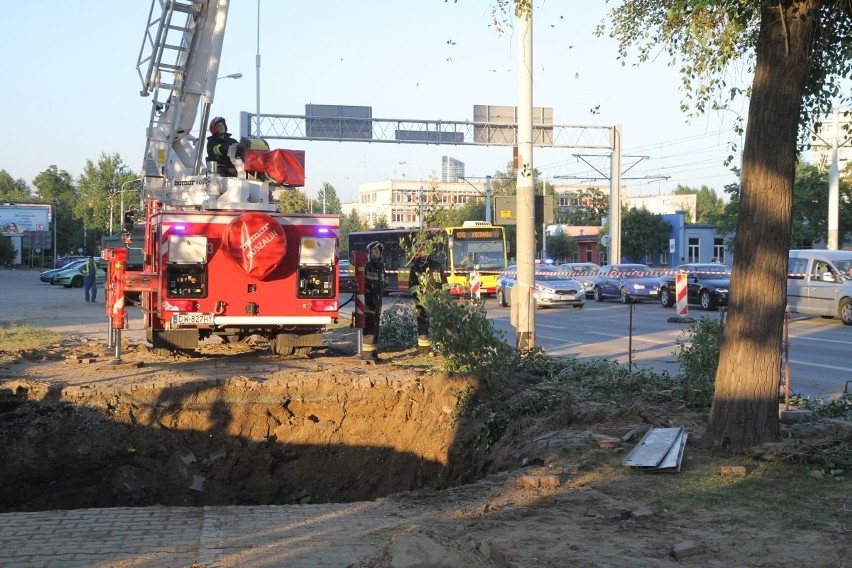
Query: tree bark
x=745, y=406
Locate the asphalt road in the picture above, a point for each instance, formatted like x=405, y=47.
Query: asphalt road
x=25, y=299
x=819, y=348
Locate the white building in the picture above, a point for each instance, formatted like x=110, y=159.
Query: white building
x=666, y=204
x=403, y=202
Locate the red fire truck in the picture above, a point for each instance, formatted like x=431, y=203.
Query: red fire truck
x=218, y=257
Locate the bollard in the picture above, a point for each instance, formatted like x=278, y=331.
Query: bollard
x=359, y=258
x=115, y=311
x=680, y=295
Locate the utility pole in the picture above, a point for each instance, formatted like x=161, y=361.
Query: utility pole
x=523, y=311
x=615, y=197
x=832, y=241
x=834, y=186
x=488, y=199
x=422, y=198
x=55, y=223
x=543, y=222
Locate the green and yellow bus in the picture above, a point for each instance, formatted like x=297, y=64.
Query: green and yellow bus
x=476, y=245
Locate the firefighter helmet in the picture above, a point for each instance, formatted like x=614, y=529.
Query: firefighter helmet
x=376, y=244
x=216, y=120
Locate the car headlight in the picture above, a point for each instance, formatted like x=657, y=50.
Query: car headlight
x=638, y=286
x=545, y=289
x=722, y=290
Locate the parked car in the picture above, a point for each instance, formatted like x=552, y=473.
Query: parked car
x=628, y=282
x=552, y=288
x=71, y=277
x=66, y=260
x=49, y=275
x=819, y=283
x=582, y=272
x=706, y=285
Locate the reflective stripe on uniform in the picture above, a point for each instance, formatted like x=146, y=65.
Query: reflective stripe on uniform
x=367, y=347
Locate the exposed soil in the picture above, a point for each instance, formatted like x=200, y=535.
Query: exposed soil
x=236, y=425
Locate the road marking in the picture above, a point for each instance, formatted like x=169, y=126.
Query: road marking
x=796, y=337
x=820, y=365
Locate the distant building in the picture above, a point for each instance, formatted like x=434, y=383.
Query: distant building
x=666, y=204
x=587, y=239
x=451, y=169
x=403, y=202
x=691, y=242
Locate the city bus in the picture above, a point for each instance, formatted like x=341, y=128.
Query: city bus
x=476, y=245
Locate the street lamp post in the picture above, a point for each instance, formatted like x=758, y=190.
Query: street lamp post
x=257, y=63
x=55, y=223
x=121, y=200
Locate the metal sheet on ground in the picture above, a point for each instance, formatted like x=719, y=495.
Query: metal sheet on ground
x=672, y=460
x=653, y=447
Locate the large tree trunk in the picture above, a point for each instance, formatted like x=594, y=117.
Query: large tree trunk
x=745, y=407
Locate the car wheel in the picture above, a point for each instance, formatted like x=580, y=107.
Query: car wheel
x=666, y=299
x=706, y=300
x=501, y=299
x=77, y=282
x=625, y=297
x=597, y=294
x=845, y=311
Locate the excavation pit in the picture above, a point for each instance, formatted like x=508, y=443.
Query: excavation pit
x=282, y=433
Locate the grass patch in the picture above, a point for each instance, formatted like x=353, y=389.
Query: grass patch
x=780, y=492
x=17, y=339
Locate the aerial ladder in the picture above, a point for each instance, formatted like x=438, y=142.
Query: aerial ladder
x=178, y=65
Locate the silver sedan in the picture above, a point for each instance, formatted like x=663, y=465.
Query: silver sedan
x=552, y=288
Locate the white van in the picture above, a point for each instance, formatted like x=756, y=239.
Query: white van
x=819, y=283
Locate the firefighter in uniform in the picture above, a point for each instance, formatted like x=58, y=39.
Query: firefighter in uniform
x=218, y=143
x=426, y=275
x=376, y=281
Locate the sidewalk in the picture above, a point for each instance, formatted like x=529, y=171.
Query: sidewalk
x=321, y=536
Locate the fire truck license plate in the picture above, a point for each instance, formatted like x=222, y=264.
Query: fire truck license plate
x=192, y=319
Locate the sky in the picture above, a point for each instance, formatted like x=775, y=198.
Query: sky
x=71, y=92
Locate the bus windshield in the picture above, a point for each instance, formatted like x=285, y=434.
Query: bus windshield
x=477, y=247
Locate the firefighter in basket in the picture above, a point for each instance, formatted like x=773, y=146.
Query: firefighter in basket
x=426, y=275
x=376, y=281
x=218, y=143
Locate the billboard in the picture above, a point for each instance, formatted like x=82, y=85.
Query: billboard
x=499, y=125
x=339, y=122
x=17, y=218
